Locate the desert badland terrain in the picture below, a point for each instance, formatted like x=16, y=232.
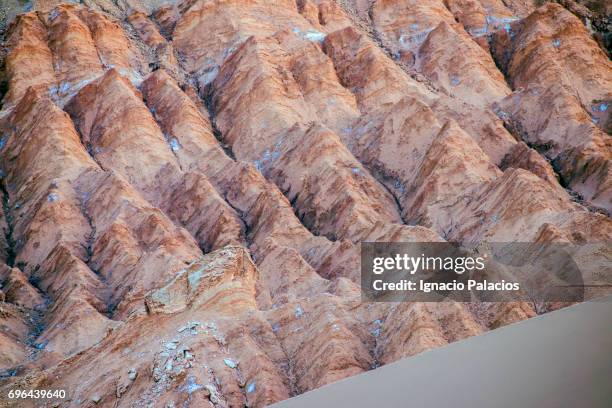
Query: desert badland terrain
x=185, y=184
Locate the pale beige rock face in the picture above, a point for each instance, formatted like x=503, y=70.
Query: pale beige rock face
x=185, y=184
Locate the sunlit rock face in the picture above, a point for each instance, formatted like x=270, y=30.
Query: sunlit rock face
x=185, y=184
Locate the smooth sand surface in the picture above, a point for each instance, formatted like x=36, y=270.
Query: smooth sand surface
x=558, y=360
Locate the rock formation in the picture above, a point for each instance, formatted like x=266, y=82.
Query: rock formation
x=186, y=184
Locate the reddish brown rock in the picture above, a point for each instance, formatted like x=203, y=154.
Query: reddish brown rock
x=17, y=290
x=523, y=157
x=146, y=29
x=424, y=326
x=13, y=336
x=377, y=82
x=185, y=186
x=442, y=49
x=30, y=62
x=571, y=85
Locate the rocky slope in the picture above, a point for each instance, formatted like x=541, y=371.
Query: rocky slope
x=185, y=184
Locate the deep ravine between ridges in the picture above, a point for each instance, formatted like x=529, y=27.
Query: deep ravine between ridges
x=194, y=181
